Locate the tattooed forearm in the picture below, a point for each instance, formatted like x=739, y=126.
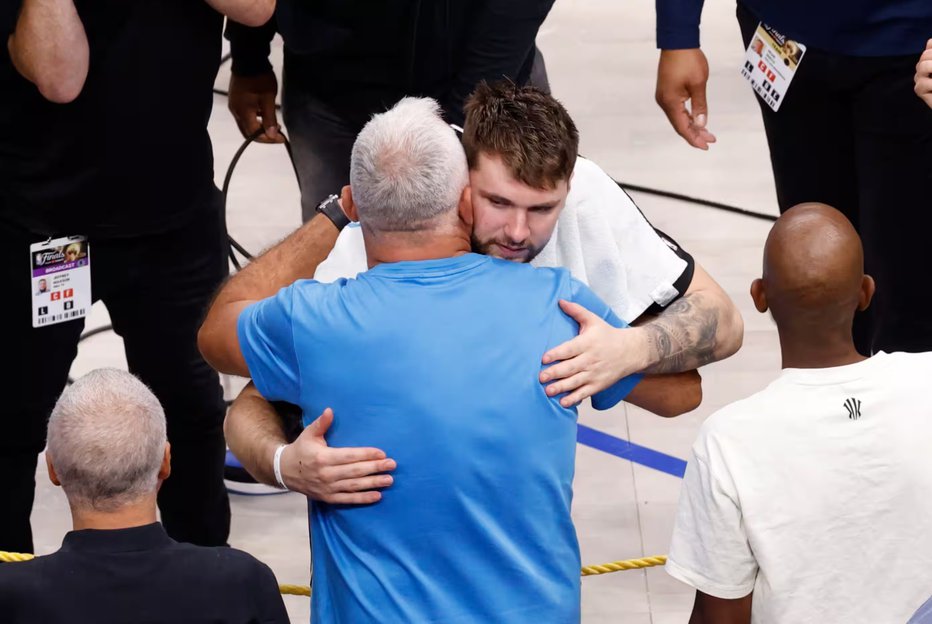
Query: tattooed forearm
x=685, y=335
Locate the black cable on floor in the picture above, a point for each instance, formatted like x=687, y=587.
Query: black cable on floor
x=225, y=190
x=695, y=200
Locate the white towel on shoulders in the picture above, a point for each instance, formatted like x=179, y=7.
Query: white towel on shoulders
x=601, y=237
x=605, y=241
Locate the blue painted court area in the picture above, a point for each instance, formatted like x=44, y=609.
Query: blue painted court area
x=632, y=452
x=600, y=441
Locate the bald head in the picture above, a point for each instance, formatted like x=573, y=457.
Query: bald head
x=813, y=270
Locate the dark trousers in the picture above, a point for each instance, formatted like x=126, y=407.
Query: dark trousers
x=156, y=289
x=851, y=133
x=322, y=135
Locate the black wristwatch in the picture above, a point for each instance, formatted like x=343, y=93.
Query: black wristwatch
x=331, y=209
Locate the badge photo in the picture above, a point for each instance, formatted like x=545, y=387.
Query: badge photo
x=770, y=64
x=60, y=271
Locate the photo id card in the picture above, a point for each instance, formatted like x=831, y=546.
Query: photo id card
x=61, y=280
x=770, y=64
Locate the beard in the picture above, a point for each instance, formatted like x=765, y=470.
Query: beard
x=489, y=248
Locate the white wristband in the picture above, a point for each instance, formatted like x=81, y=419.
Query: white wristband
x=277, y=466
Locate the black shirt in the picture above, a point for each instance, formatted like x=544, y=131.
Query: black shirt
x=131, y=155
x=139, y=575
x=362, y=56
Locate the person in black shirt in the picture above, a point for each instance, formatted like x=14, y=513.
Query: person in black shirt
x=835, y=90
x=108, y=451
x=87, y=148
x=346, y=60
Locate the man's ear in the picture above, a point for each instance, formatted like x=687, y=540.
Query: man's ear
x=53, y=476
x=165, y=469
x=759, y=296
x=867, y=292
x=465, y=208
x=347, y=203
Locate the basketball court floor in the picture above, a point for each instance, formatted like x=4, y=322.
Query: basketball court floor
x=602, y=61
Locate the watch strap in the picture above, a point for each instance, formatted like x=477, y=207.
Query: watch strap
x=331, y=209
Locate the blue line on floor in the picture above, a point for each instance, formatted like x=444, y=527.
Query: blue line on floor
x=632, y=452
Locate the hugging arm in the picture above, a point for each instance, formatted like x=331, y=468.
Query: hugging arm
x=293, y=259
x=703, y=326
x=700, y=327
x=254, y=430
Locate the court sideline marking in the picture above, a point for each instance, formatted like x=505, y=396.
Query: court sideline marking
x=636, y=453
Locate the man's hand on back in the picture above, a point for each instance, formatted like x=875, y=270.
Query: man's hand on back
x=682, y=76
x=595, y=359
x=700, y=327
x=346, y=476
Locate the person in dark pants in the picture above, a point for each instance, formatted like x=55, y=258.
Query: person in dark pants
x=128, y=569
x=346, y=60
x=86, y=150
x=850, y=133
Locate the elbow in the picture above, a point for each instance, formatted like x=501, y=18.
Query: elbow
x=265, y=13
x=693, y=394
x=673, y=410
x=233, y=413
x=60, y=91
x=205, y=344
x=258, y=14
x=219, y=347
x=686, y=400
x=228, y=429
x=732, y=338
x=59, y=78
x=688, y=405
x=62, y=80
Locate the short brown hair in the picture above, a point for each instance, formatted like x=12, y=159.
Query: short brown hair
x=528, y=129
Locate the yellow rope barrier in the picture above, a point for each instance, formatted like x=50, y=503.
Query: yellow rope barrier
x=628, y=564
x=304, y=590
x=8, y=557
x=295, y=590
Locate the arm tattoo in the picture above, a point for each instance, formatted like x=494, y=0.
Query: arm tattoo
x=683, y=336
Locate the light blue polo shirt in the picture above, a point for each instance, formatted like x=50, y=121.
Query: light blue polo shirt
x=436, y=362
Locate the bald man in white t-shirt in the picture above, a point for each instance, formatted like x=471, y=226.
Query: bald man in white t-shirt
x=811, y=501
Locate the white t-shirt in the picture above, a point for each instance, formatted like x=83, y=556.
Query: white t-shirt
x=815, y=493
x=601, y=237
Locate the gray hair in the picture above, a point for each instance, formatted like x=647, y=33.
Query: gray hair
x=408, y=168
x=106, y=439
